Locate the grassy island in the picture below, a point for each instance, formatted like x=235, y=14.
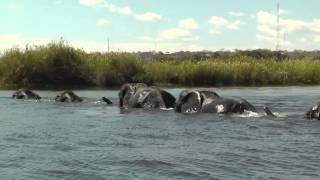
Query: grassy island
x=59, y=64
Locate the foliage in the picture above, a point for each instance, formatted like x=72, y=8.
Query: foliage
x=58, y=64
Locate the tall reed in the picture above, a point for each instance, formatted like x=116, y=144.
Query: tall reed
x=59, y=64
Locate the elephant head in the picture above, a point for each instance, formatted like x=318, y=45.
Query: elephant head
x=68, y=96
x=191, y=101
x=25, y=94
x=314, y=112
x=142, y=96
x=127, y=91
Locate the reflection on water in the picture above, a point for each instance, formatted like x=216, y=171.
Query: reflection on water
x=90, y=140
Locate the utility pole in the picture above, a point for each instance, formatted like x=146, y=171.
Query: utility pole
x=108, y=45
x=278, y=48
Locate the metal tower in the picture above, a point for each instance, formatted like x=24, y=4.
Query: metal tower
x=108, y=45
x=278, y=46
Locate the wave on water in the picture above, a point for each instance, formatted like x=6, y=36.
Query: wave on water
x=167, y=109
x=247, y=114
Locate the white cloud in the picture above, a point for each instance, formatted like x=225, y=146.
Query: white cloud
x=273, y=40
x=297, y=29
x=149, y=16
x=9, y=38
x=147, y=39
x=214, y=31
x=19, y=41
x=92, y=46
x=189, y=24
x=220, y=22
x=175, y=34
x=125, y=10
x=283, y=12
x=120, y=10
x=91, y=2
x=103, y=22
x=237, y=14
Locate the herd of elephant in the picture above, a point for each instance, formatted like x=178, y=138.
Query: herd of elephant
x=139, y=95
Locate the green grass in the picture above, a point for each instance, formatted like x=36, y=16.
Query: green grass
x=58, y=64
x=236, y=72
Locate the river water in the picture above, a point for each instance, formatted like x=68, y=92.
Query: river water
x=48, y=140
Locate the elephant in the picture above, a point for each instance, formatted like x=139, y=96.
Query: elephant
x=68, y=96
x=139, y=95
x=25, y=94
x=314, y=112
x=207, y=101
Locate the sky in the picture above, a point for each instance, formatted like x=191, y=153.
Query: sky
x=161, y=25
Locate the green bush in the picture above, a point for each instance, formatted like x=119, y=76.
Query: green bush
x=58, y=64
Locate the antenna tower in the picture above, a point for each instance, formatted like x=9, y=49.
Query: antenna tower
x=278, y=48
x=108, y=45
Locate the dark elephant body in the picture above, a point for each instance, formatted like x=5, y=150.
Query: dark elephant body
x=25, y=94
x=193, y=101
x=228, y=105
x=314, y=112
x=142, y=96
x=68, y=96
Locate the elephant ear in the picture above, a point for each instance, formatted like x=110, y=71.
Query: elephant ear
x=168, y=99
x=189, y=102
x=123, y=92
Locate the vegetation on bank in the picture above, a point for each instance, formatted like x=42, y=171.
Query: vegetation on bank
x=58, y=64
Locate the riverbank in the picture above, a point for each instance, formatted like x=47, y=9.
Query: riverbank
x=60, y=65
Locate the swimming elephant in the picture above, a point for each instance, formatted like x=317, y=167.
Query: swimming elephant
x=25, y=94
x=68, y=96
x=139, y=95
x=206, y=101
x=314, y=112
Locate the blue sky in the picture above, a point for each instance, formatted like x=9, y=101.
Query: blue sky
x=166, y=25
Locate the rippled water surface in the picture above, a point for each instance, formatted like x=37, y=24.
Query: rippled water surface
x=48, y=140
